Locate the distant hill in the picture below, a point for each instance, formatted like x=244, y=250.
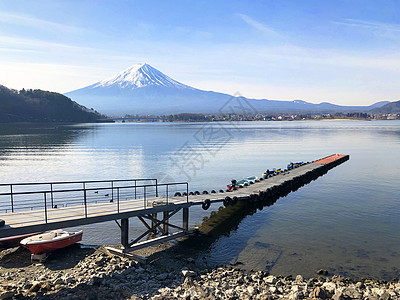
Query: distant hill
x=390, y=108
x=41, y=106
x=142, y=89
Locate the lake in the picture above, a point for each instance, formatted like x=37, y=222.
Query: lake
x=347, y=221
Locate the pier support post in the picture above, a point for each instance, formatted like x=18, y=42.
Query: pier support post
x=185, y=222
x=165, y=225
x=153, y=223
x=125, y=233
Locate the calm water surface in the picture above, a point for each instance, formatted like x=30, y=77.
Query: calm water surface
x=347, y=221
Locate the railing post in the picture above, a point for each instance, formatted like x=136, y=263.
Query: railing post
x=112, y=191
x=156, y=188
x=52, y=200
x=135, y=189
x=84, y=199
x=167, y=193
x=187, y=192
x=144, y=192
x=12, y=198
x=118, y=199
x=45, y=207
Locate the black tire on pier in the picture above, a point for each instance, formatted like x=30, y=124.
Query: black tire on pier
x=206, y=204
x=177, y=194
x=234, y=200
x=2, y=223
x=227, y=201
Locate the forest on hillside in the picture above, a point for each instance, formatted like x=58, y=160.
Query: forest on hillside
x=42, y=106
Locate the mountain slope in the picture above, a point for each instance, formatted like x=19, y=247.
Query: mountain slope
x=390, y=108
x=41, y=106
x=142, y=89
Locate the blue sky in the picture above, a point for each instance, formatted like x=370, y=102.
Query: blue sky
x=344, y=52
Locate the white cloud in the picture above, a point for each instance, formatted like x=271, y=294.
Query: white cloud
x=28, y=21
x=27, y=43
x=370, y=25
x=385, y=60
x=257, y=25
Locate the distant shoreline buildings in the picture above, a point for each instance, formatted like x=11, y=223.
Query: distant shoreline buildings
x=190, y=117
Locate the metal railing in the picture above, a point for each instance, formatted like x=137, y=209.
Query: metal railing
x=86, y=193
x=16, y=188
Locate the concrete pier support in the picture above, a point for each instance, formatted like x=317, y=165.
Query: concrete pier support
x=185, y=222
x=165, y=225
x=125, y=233
x=154, y=223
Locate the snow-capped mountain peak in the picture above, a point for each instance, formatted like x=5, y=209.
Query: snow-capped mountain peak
x=300, y=102
x=140, y=75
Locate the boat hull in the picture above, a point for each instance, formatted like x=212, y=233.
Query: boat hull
x=50, y=245
x=13, y=241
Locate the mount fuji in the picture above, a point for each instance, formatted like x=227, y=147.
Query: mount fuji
x=142, y=89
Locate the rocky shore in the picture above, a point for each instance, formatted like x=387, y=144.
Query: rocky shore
x=76, y=273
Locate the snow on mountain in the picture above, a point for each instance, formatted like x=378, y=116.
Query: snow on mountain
x=138, y=76
x=300, y=102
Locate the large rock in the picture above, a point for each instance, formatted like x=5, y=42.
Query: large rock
x=330, y=287
x=318, y=293
x=299, y=279
x=352, y=292
x=270, y=279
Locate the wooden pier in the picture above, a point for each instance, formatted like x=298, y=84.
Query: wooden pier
x=47, y=208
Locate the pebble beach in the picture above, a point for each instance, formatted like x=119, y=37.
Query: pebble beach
x=168, y=273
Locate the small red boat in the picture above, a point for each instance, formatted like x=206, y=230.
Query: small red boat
x=51, y=240
x=13, y=241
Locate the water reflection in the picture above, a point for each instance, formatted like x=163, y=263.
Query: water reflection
x=347, y=221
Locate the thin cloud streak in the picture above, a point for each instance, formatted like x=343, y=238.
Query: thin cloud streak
x=369, y=25
x=9, y=18
x=29, y=44
x=15, y=50
x=257, y=25
x=314, y=57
